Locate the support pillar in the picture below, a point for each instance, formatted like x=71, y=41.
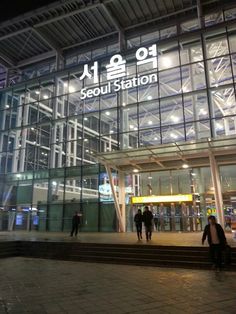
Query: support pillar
x=116, y=201
x=121, y=180
x=217, y=189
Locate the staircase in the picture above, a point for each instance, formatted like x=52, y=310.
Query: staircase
x=144, y=255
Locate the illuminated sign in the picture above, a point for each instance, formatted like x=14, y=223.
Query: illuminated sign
x=116, y=71
x=161, y=199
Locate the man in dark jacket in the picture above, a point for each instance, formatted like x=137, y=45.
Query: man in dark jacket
x=75, y=224
x=216, y=239
x=147, y=219
x=138, y=219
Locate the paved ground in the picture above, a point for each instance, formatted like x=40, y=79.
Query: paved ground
x=55, y=287
x=159, y=238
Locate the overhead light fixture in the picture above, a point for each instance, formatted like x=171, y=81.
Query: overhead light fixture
x=150, y=122
x=71, y=89
x=135, y=170
x=131, y=126
x=107, y=113
x=37, y=92
x=175, y=119
x=65, y=84
x=45, y=96
x=155, y=138
x=124, y=104
x=185, y=166
x=149, y=97
x=173, y=135
x=85, y=119
x=135, y=129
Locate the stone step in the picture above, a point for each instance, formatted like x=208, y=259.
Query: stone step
x=195, y=257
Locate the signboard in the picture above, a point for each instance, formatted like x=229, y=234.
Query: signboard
x=162, y=199
x=116, y=71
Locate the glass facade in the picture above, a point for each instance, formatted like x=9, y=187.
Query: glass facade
x=49, y=136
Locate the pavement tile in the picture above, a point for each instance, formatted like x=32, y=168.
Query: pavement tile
x=59, y=287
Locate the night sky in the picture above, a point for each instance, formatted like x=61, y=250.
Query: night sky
x=12, y=8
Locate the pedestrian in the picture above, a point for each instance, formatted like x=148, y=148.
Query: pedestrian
x=148, y=221
x=138, y=219
x=216, y=240
x=75, y=224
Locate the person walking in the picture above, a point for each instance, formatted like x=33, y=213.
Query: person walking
x=75, y=224
x=216, y=240
x=138, y=219
x=147, y=219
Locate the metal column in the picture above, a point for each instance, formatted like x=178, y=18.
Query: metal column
x=116, y=201
x=217, y=189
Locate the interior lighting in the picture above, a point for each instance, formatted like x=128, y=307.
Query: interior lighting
x=203, y=111
x=111, y=131
x=65, y=84
x=37, y=92
x=131, y=126
x=71, y=89
x=32, y=129
x=85, y=119
x=18, y=175
x=124, y=104
x=86, y=150
x=150, y=122
x=149, y=97
x=45, y=96
x=135, y=170
x=54, y=183
x=166, y=62
x=7, y=106
x=107, y=113
x=193, y=174
x=173, y=135
x=155, y=138
x=175, y=119
x=135, y=129
x=219, y=126
x=185, y=166
x=86, y=140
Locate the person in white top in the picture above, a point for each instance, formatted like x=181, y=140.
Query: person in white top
x=217, y=241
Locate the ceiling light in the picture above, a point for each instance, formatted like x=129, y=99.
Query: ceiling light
x=124, y=104
x=166, y=61
x=111, y=131
x=150, y=177
x=45, y=96
x=71, y=89
x=203, y=111
x=135, y=129
x=131, y=126
x=149, y=98
x=54, y=183
x=185, y=166
x=86, y=150
x=135, y=170
x=37, y=92
x=175, y=119
x=86, y=140
x=65, y=84
x=85, y=119
x=107, y=113
x=150, y=122
x=173, y=135
x=155, y=138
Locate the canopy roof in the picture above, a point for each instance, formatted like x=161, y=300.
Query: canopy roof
x=171, y=156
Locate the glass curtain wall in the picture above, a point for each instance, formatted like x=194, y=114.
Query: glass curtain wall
x=49, y=135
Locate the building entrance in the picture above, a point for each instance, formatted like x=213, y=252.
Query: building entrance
x=171, y=213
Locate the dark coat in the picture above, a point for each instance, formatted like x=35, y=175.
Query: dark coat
x=147, y=218
x=220, y=233
x=138, y=218
x=76, y=220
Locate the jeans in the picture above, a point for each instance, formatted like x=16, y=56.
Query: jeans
x=216, y=255
x=139, y=230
